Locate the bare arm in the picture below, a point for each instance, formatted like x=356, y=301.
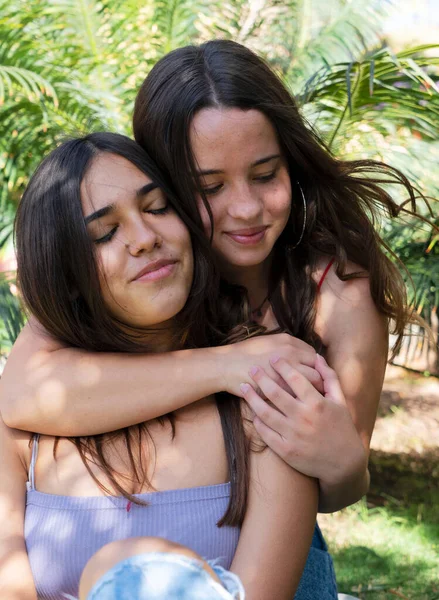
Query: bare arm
x=277, y=531
x=327, y=436
x=356, y=335
x=16, y=581
x=55, y=390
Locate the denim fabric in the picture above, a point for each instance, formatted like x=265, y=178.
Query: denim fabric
x=318, y=578
x=160, y=576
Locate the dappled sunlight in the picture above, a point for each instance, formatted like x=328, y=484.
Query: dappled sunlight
x=179, y=467
x=385, y=556
x=50, y=389
x=408, y=417
x=63, y=538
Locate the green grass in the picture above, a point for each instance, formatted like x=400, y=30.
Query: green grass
x=388, y=552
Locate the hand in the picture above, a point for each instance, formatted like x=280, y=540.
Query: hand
x=313, y=432
x=237, y=360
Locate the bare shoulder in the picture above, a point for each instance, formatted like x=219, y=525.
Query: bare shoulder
x=356, y=290
x=346, y=307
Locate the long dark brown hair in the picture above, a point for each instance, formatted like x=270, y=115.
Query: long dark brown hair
x=59, y=282
x=344, y=199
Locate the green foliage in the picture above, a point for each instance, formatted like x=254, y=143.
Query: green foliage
x=392, y=551
x=11, y=316
x=384, y=91
x=72, y=66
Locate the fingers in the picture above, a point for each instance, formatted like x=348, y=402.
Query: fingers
x=299, y=384
x=291, y=348
x=281, y=398
x=313, y=377
x=266, y=413
x=270, y=437
x=331, y=382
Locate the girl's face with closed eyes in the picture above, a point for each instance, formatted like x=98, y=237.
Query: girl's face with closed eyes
x=245, y=178
x=143, y=249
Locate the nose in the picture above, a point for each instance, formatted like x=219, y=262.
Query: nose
x=246, y=204
x=142, y=237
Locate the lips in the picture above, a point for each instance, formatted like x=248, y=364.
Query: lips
x=157, y=269
x=248, y=236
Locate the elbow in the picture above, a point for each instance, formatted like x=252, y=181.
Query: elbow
x=13, y=414
x=12, y=411
x=17, y=411
x=348, y=493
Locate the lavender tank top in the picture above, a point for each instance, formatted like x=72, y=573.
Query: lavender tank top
x=63, y=532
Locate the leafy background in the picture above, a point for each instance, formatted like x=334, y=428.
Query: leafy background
x=71, y=66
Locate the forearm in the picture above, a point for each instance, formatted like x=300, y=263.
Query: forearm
x=70, y=393
x=338, y=495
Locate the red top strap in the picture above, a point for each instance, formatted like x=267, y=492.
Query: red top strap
x=325, y=272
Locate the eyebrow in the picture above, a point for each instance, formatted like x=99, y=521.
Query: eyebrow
x=261, y=161
x=144, y=190
x=106, y=210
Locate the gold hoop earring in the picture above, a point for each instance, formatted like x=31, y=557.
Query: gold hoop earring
x=304, y=218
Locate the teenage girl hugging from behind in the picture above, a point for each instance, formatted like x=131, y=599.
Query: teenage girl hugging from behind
x=292, y=230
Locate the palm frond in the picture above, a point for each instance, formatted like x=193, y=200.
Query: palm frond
x=15, y=80
x=72, y=66
x=335, y=31
x=383, y=91
x=11, y=316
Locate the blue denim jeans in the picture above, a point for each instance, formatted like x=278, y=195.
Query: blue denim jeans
x=318, y=577
x=161, y=575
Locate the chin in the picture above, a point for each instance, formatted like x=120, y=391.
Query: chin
x=248, y=259
x=158, y=313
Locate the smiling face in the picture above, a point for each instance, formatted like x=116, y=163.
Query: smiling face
x=143, y=249
x=246, y=181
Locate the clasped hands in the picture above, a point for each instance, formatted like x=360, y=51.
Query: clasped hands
x=300, y=411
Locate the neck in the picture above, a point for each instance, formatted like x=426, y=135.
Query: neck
x=155, y=339
x=254, y=279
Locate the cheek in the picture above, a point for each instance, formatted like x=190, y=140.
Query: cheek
x=107, y=263
x=109, y=266
x=279, y=202
x=175, y=233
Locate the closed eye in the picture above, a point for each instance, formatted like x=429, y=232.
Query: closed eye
x=107, y=237
x=209, y=191
x=268, y=177
x=158, y=211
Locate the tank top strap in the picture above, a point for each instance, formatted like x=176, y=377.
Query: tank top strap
x=33, y=461
x=325, y=272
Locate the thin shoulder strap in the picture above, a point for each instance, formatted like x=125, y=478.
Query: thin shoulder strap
x=33, y=460
x=325, y=272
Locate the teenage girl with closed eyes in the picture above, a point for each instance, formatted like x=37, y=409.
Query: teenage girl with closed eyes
x=199, y=478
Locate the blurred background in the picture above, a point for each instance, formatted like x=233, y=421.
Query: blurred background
x=365, y=73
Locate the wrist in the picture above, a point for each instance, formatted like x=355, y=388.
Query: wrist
x=220, y=361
